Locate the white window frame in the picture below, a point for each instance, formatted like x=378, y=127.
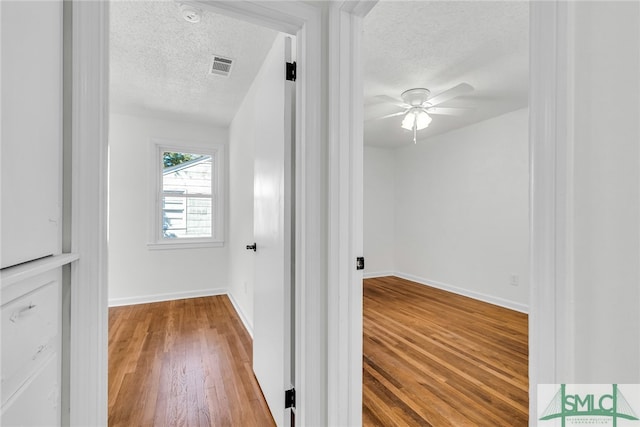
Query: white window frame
x=217, y=153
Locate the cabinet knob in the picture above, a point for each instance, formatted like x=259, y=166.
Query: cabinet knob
x=17, y=314
x=251, y=247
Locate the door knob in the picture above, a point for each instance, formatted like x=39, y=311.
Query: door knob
x=251, y=247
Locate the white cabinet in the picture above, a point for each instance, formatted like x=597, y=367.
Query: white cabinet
x=31, y=70
x=30, y=345
x=38, y=404
x=31, y=189
x=29, y=334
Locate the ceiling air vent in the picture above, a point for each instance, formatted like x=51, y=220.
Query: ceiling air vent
x=221, y=66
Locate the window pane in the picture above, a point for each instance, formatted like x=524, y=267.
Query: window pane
x=186, y=217
x=186, y=173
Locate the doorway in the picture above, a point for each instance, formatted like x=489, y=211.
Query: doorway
x=446, y=201
x=200, y=122
x=88, y=345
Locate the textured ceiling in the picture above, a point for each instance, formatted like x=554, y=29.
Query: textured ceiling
x=159, y=62
x=437, y=45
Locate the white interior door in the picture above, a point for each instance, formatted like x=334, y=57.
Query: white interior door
x=273, y=222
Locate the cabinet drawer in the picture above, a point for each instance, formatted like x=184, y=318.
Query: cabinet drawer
x=30, y=334
x=38, y=402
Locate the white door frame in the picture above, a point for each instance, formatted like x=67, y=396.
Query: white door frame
x=328, y=156
x=551, y=302
x=344, y=321
x=328, y=203
x=88, y=333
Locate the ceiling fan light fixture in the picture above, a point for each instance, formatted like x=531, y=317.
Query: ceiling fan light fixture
x=416, y=117
x=408, y=121
x=422, y=119
x=416, y=96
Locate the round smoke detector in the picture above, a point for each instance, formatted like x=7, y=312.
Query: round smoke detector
x=190, y=13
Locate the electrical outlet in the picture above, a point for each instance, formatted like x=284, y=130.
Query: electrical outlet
x=515, y=280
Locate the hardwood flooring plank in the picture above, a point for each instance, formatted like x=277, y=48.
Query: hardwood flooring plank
x=432, y=357
x=182, y=363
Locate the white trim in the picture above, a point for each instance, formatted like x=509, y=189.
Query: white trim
x=243, y=317
x=551, y=304
x=337, y=334
x=344, y=287
x=182, y=244
x=542, y=204
x=376, y=274
x=88, y=331
x=564, y=194
x=356, y=208
x=21, y=272
x=285, y=16
x=146, y=299
x=491, y=299
x=311, y=219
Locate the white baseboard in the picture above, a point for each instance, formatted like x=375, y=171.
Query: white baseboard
x=144, y=299
x=117, y=302
x=374, y=274
x=512, y=305
x=241, y=314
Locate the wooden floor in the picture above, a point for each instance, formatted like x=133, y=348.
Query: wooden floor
x=433, y=358
x=182, y=363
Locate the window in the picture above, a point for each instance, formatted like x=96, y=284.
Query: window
x=188, y=197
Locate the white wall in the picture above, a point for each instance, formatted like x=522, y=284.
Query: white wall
x=460, y=210
x=606, y=193
x=136, y=273
x=379, y=211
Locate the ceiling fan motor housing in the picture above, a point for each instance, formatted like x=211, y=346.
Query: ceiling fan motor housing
x=415, y=97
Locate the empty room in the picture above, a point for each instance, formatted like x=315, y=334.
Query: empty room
x=446, y=205
x=199, y=104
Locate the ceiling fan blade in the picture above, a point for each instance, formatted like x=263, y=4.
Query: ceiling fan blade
x=391, y=100
x=448, y=94
x=448, y=111
x=373, y=111
x=385, y=117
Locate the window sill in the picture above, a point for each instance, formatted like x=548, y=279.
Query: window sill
x=184, y=245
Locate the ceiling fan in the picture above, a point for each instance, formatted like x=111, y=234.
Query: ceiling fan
x=418, y=106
